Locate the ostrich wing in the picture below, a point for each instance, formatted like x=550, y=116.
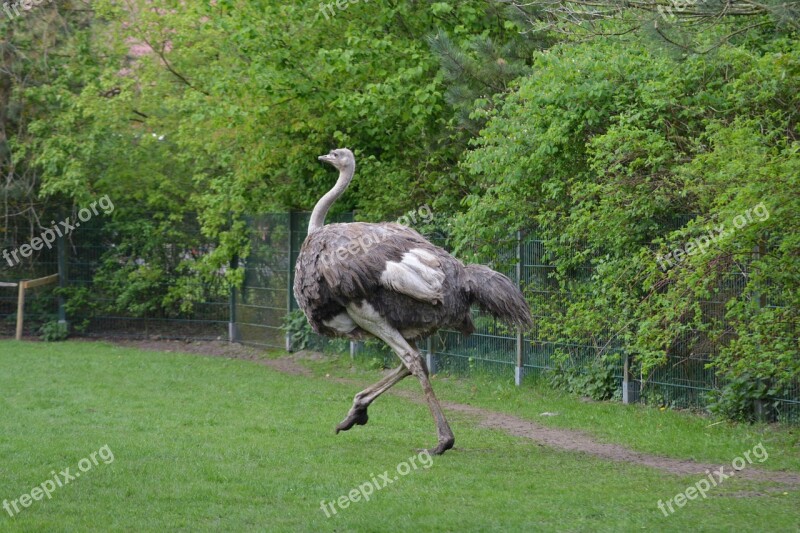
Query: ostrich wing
x=416, y=286
x=418, y=274
x=356, y=259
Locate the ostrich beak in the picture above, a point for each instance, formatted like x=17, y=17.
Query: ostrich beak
x=327, y=158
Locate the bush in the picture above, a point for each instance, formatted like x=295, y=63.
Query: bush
x=53, y=331
x=303, y=337
x=595, y=380
x=746, y=399
x=299, y=330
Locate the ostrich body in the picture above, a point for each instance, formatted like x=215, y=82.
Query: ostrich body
x=385, y=280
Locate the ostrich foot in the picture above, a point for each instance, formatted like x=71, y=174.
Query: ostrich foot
x=443, y=446
x=354, y=417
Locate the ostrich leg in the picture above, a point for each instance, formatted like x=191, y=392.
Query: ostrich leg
x=358, y=413
x=365, y=316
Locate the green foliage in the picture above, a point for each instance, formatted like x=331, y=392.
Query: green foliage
x=374, y=354
x=615, y=154
x=236, y=121
x=191, y=116
x=371, y=359
x=745, y=398
x=54, y=331
x=677, y=26
x=597, y=379
x=299, y=330
x=303, y=337
x=79, y=301
x=43, y=54
x=482, y=71
x=156, y=265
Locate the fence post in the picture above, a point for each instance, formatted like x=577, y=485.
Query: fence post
x=625, y=383
x=519, y=369
x=61, y=251
x=289, y=279
x=761, y=408
x=630, y=392
x=232, y=333
x=20, y=310
x=429, y=362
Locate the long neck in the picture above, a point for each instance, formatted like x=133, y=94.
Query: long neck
x=325, y=203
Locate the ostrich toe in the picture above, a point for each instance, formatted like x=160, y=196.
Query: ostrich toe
x=354, y=417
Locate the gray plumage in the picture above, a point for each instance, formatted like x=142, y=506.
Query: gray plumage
x=324, y=284
x=387, y=281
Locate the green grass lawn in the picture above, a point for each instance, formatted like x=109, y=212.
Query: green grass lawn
x=202, y=444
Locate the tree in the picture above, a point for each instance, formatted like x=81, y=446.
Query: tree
x=690, y=25
x=618, y=156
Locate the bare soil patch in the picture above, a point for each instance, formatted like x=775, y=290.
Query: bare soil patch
x=577, y=441
x=287, y=365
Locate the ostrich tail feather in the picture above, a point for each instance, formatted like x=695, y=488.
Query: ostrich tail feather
x=498, y=295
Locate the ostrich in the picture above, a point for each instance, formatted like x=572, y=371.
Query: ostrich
x=385, y=280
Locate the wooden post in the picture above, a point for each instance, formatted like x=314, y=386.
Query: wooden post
x=20, y=309
x=41, y=281
x=23, y=286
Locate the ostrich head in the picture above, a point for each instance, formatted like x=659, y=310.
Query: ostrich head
x=341, y=158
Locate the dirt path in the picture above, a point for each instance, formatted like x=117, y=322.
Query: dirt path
x=286, y=365
x=577, y=441
x=561, y=439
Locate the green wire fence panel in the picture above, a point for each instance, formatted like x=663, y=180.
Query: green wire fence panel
x=145, y=281
x=264, y=298
x=41, y=304
x=266, y=295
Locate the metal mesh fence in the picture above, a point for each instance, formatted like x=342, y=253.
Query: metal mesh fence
x=266, y=295
x=685, y=380
x=143, y=282
x=41, y=307
x=41, y=303
x=264, y=298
